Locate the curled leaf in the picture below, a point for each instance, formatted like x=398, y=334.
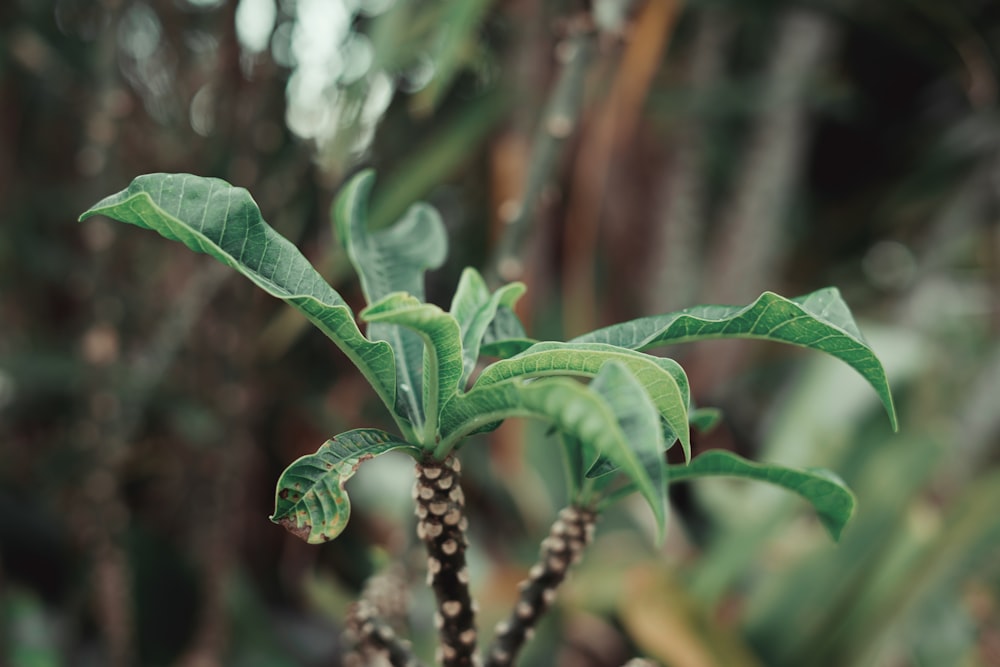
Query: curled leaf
x=310, y=501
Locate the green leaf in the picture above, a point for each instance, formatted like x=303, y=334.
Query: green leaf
x=819, y=321
x=209, y=215
x=392, y=260
x=833, y=501
x=440, y=339
x=640, y=423
x=705, y=419
x=663, y=379
x=573, y=408
x=310, y=500
x=476, y=310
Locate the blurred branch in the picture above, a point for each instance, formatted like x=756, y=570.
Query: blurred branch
x=677, y=244
x=752, y=234
x=611, y=126
x=375, y=636
x=373, y=622
x=115, y=414
x=104, y=424
x=173, y=333
x=559, y=121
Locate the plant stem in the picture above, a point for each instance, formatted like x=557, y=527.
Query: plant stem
x=374, y=634
x=441, y=525
x=568, y=537
x=559, y=121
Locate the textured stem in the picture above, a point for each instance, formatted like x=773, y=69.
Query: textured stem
x=441, y=525
x=375, y=635
x=564, y=546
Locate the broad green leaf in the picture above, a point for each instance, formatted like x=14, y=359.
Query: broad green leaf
x=476, y=310
x=392, y=260
x=833, y=501
x=663, y=379
x=505, y=336
x=440, y=338
x=819, y=321
x=310, y=500
x=573, y=408
x=640, y=423
x=209, y=215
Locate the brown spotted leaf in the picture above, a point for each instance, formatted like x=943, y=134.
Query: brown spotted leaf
x=310, y=501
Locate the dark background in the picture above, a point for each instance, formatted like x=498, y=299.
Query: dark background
x=620, y=165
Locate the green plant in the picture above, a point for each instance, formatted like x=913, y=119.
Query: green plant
x=421, y=360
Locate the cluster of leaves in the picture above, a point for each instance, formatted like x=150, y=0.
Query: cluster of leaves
x=420, y=359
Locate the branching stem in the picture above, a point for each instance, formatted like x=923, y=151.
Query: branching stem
x=568, y=537
x=374, y=634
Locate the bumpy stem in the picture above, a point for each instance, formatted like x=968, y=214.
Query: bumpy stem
x=373, y=622
x=564, y=546
x=375, y=635
x=441, y=525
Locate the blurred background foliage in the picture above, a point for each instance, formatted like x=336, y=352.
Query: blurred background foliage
x=622, y=158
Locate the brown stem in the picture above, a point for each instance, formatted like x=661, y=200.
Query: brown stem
x=564, y=546
x=374, y=634
x=441, y=525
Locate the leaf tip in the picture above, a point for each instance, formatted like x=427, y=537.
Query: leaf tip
x=835, y=525
x=890, y=408
x=661, y=526
x=303, y=531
